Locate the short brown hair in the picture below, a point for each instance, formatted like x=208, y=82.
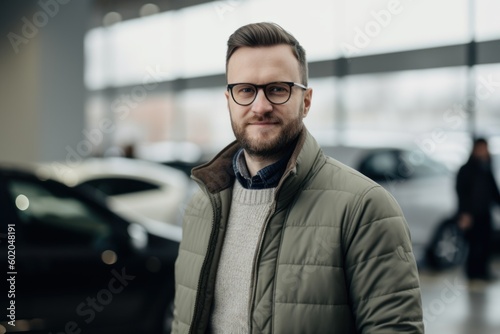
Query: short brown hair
x=267, y=34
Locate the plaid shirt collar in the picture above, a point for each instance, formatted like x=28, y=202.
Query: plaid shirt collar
x=267, y=177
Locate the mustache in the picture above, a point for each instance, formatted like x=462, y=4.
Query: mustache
x=264, y=118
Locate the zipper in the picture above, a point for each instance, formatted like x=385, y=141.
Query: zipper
x=254, y=267
x=271, y=212
x=208, y=258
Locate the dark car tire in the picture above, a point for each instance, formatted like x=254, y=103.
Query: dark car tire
x=448, y=248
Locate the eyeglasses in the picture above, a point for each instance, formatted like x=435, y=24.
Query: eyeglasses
x=276, y=92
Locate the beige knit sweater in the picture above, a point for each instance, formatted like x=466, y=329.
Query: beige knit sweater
x=249, y=209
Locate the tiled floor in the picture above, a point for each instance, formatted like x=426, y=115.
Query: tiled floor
x=452, y=305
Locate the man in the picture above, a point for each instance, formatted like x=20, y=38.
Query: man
x=477, y=191
x=283, y=239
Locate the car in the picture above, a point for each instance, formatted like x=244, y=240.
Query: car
x=134, y=188
x=181, y=155
x=424, y=188
x=72, y=265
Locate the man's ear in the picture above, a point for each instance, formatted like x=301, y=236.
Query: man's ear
x=226, y=93
x=307, y=101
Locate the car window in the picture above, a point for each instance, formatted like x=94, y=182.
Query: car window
x=394, y=164
x=112, y=186
x=380, y=166
x=420, y=165
x=50, y=216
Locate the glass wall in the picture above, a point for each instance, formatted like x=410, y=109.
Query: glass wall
x=136, y=72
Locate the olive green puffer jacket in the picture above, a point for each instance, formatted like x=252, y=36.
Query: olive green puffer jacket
x=335, y=255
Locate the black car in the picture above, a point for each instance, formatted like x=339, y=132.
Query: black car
x=70, y=265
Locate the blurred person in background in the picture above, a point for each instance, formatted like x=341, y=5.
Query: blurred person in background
x=477, y=191
x=283, y=239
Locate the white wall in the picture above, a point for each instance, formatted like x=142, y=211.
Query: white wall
x=42, y=93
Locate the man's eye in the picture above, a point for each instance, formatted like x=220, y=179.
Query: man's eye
x=277, y=89
x=246, y=90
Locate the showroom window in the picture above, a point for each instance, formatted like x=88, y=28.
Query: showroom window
x=176, y=60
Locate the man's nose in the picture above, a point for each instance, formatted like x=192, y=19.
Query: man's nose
x=261, y=104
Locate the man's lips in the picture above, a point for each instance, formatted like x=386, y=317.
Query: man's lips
x=264, y=122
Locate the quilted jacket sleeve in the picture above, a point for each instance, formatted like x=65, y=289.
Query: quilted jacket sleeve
x=381, y=271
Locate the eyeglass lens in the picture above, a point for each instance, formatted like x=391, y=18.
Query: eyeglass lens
x=275, y=92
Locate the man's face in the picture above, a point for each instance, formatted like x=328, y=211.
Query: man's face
x=262, y=128
x=481, y=152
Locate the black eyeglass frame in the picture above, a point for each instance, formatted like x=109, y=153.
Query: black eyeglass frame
x=289, y=83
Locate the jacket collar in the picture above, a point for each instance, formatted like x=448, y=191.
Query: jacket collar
x=218, y=174
x=304, y=162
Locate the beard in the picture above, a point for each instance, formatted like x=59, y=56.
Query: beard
x=268, y=146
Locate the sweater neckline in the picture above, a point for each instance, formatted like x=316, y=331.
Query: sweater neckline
x=252, y=196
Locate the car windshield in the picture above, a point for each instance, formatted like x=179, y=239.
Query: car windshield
x=112, y=186
x=421, y=165
x=396, y=164
x=50, y=216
